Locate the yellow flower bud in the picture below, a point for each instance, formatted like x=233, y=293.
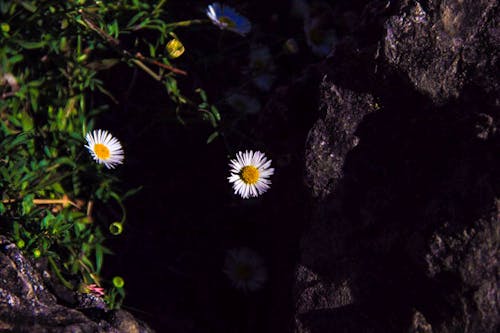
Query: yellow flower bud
x=175, y=48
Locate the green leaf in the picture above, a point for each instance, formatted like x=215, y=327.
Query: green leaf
x=215, y=112
x=212, y=137
x=131, y=192
x=28, y=6
x=30, y=45
x=135, y=18
x=99, y=255
x=152, y=50
x=34, y=98
x=19, y=139
x=16, y=58
x=202, y=93
x=103, y=64
x=47, y=221
x=87, y=262
x=26, y=121
x=27, y=204
x=211, y=118
x=15, y=229
x=66, y=161
x=115, y=29
x=58, y=188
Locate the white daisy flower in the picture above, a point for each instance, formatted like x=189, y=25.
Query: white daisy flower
x=243, y=103
x=250, y=173
x=227, y=18
x=245, y=269
x=104, y=148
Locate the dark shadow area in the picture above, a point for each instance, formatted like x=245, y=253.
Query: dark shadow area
x=414, y=167
x=185, y=218
x=418, y=168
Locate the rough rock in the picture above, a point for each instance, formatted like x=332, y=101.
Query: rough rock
x=470, y=256
x=26, y=304
x=332, y=136
x=442, y=46
x=401, y=169
x=419, y=324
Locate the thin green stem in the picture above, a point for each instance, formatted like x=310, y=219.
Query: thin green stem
x=145, y=68
x=185, y=23
x=124, y=210
x=58, y=274
x=158, y=7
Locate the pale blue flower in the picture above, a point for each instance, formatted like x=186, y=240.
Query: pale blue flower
x=243, y=103
x=227, y=18
x=264, y=81
x=321, y=41
x=245, y=268
x=262, y=67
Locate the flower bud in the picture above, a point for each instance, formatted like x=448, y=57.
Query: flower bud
x=175, y=48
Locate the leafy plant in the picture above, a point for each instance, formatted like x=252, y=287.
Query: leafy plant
x=51, y=53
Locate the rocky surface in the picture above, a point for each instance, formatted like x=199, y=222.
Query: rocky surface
x=443, y=46
x=401, y=167
x=27, y=305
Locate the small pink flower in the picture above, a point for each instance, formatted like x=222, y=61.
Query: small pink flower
x=94, y=289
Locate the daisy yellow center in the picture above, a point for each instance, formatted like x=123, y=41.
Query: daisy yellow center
x=102, y=151
x=249, y=174
x=227, y=22
x=243, y=272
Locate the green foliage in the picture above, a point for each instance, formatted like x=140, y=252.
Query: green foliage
x=50, y=55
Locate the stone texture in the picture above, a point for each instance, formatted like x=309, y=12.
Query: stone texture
x=401, y=169
x=332, y=136
x=419, y=324
x=469, y=255
x=26, y=305
x=443, y=45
